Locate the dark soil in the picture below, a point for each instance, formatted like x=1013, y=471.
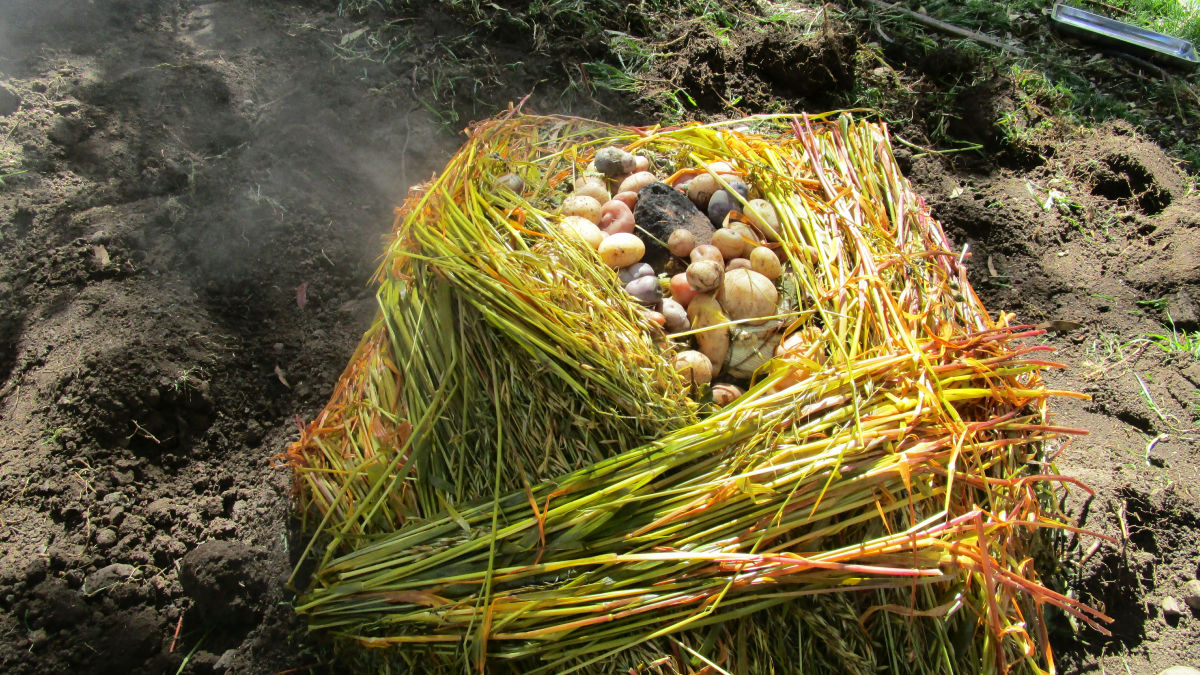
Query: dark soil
x=192, y=204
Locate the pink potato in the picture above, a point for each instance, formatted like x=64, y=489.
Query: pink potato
x=616, y=217
x=681, y=290
x=629, y=198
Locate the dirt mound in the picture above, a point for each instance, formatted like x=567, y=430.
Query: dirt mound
x=766, y=68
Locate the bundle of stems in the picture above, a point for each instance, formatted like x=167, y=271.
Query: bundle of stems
x=509, y=470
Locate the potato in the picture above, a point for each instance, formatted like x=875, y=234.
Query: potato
x=719, y=206
x=676, y=316
x=616, y=217
x=729, y=243
x=582, y=206
x=681, y=242
x=705, y=312
x=705, y=276
x=597, y=192
x=749, y=236
x=637, y=181
x=701, y=188
x=511, y=181
x=641, y=163
x=629, y=198
x=764, y=261
x=695, y=367
x=635, y=271
x=706, y=252
x=584, y=229
x=724, y=394
x=621, y=250
x=653, y=317
x=737, y=185
x=762, y=215
x=646, y=290
x=746, y=294
x=738, y=264
x=681, y=290
x=614, y=162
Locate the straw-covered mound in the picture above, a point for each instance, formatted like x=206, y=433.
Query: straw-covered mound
x=513, y=473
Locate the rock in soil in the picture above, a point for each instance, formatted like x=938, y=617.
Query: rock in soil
x=1171, y=607
x=1192, y=594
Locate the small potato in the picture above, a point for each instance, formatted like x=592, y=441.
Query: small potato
x=584, y=229
x=641, y=163
x=628, y=198
x=653, y=317
x=511, y=181
x=764, y=261
x=637, y=181
x=582, y=206
x=701, y=188
x=737, y=185
x=748, y=234
x=593, y=187
x=706, y=315
x=621, y=250
x=729, y=243
x=681, y=242
x=646, y=290
x=676, y=316
x=705, y=276
x=616, y=217
x=724, y=394
x=614, y=162
x=738, y=264
x=719, y=206
x=681, y=290
x=794, y=343
x=695, y=367
x=763, y=216
x=635, y=271
x=706, y=252
x=719, y=167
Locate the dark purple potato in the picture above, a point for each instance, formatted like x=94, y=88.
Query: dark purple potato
x=719, y=206
x=739, y=186
x=646, y=290
x=635, y=271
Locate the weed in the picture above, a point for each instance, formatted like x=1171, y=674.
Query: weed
x=1157, y=304
x=1173, y=423
x=1177, y=342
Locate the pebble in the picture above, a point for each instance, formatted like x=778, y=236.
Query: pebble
x=1192, y=594
x=1171, y=607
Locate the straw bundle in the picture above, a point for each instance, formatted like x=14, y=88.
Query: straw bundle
x=510, y=471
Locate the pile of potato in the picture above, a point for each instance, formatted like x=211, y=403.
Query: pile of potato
x=696, y=251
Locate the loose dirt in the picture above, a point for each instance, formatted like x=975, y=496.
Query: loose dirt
x=192, y=202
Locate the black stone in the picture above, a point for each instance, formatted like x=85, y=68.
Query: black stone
x=660, y=210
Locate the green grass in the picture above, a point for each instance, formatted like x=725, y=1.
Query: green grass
x=1177, y=342
x=1057, y=77
x=1173, y=17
